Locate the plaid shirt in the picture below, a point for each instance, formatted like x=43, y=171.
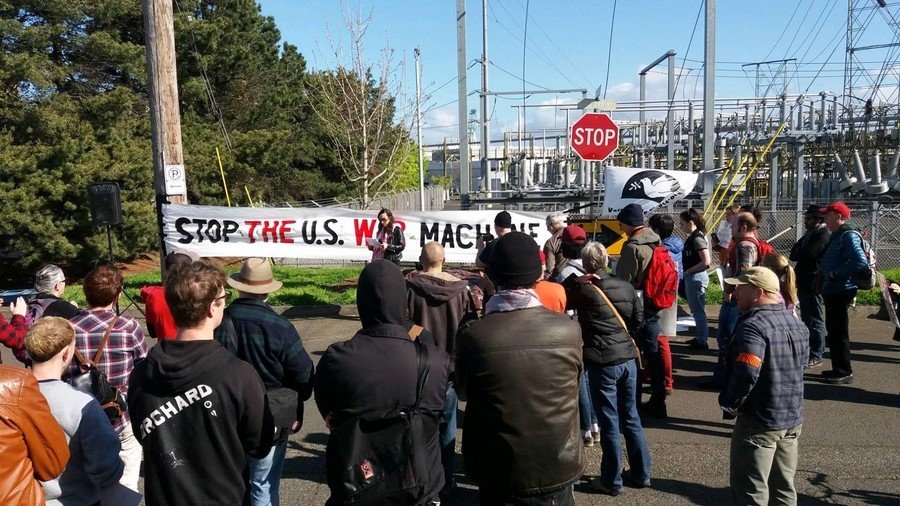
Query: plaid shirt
x=125, y=348
x=12, y=333
x=764, y=367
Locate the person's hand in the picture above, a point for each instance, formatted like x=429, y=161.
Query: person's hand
x=726, y=297
x=479, y=242
x=895, y=287
x=18, y=307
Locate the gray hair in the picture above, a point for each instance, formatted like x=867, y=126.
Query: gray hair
x=556, y=219
x=47, y=277
x=594, y=257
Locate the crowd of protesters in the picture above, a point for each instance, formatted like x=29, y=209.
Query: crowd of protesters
x=547, y=348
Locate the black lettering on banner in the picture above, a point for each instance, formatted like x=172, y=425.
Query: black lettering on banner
x=179, y=227
x=531, y=227
x=447, y=238
x=229, y=228
x=311, y=239
x=429, y=235
x=459, y=236
x=334, y=237
x=214, y=231
x=478, y=232
x=200, y=223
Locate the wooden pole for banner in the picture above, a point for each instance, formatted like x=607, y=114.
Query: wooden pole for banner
x=222, y=172
x=249, y=197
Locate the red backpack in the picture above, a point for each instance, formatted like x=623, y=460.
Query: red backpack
x=661, y=284
x=763, y=247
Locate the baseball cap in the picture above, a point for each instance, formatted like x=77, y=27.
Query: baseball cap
x=760, y=277
x=574, y=234
x=840, y=208
x=814, y=211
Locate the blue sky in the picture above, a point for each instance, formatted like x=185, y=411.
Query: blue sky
x=567, y=45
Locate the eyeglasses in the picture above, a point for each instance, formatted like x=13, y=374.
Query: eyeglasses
x=226, y=296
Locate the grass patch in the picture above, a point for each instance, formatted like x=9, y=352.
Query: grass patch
x=303, y=286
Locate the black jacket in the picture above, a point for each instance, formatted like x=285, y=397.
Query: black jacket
x=59, y=307
x=807, y=252
x=375, y=371
x=605, y=341
x=395, y=245
x=519, y=372
x=198, y=412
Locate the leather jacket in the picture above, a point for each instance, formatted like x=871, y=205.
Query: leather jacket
x=519, y=372
x=34, y=446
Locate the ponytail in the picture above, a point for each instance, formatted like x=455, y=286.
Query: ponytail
x=787, y=278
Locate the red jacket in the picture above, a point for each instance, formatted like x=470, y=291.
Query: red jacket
x=12, y=333
x=159, y=317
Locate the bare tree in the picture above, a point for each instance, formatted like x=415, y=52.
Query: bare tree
x=358, y=105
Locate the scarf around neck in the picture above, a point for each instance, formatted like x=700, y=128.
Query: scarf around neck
x=512, y=300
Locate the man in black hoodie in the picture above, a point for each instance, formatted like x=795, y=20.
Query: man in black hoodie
x=439, y=301
x=376, y=371
x=197, y=411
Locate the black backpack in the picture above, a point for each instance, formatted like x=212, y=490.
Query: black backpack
x=381, y=459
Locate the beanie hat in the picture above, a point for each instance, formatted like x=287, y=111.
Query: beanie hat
x=514, y=260
x=632, y=214
x=574, y=234
x=503, y=220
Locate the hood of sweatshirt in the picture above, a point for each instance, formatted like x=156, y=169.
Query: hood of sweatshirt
x=173, y=366
x=437, y=289
x=674, y=244
x=381, y=295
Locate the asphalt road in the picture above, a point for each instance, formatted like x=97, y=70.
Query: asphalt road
x=849, y=448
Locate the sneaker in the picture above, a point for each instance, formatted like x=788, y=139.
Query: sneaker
x=629, y=480
x=596, y=437
x=813, y=363
x=598, y=486
x=840, y=380
x=588, y=439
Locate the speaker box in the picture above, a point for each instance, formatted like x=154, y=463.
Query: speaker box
x=106, y=203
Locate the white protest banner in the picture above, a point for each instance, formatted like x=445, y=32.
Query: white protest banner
x=328, y=233
x=648, y=187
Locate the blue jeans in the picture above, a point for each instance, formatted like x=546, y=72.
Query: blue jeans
x=812, y=312
x=585, y=406
x=728, y=316
x=695, y=292
x=265, y=474
x=447, y=435
x=613, y=390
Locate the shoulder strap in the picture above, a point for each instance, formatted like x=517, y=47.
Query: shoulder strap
x=611, y=306
x=414, y=332
x=423, y=371
x=105, y=340
x=615, y=311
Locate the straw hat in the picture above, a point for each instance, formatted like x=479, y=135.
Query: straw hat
x=255, y=277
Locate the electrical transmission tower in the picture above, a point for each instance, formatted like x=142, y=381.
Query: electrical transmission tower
x=870, y=85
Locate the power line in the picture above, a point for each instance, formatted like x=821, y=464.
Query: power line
x=612, y=24
x=788, y=25
x=561, y=52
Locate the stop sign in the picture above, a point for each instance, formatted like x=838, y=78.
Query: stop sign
x=594, y=137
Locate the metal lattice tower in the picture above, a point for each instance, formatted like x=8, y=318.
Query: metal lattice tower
x=861, y=83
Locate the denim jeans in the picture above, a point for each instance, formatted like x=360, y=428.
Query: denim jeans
x=447, y=435
x=585, y=406
x=728, y=316
x=265, y=474
x=695, y=291
x=812, y=312
x=613, y=390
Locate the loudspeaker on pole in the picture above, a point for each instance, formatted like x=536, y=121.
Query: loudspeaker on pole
x=106, y=203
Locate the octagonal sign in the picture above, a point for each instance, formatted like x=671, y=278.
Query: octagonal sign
x=594, y=137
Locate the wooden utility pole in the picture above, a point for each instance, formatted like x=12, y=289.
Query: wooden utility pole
x=165, y=121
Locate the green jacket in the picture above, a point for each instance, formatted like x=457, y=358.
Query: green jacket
x=636, y=254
